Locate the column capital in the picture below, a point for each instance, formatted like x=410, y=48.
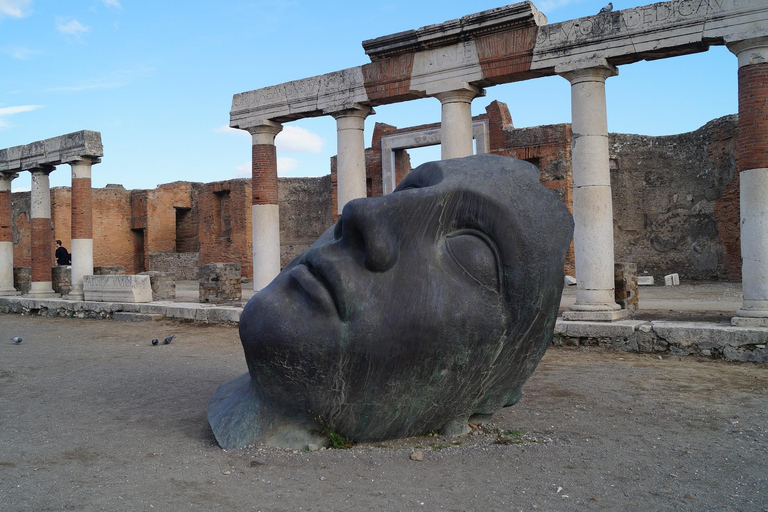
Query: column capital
x=42, y=169
x=93, y=160
x=264, y=132
x=359, y=111
x=750, y=51
x=463, y=95
x=591, y=70
x=6, y=178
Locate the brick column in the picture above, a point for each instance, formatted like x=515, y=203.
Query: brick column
x=456, y=122
x=6, y=235
x=42, y=243
x=350, y=159
x=592, y=202
x=82, y=224
x=752, y=163
x=265, y=212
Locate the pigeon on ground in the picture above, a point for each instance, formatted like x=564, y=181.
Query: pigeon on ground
x=154, y=341
x=607, y=8
x=168, y=339
x=16, y=340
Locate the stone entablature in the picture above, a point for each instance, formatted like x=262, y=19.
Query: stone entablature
x=54, y=151
x=516, y=53
x=508, y=17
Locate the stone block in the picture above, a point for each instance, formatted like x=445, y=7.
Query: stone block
x=570, y=281
x=22, y=279
x=124, y=316
x=163, y=285
x=181, y=266
x=62, y=279
x=220, y=283
x=672, y=280
x=117, y=288
x=625, y=286
x=645, y=281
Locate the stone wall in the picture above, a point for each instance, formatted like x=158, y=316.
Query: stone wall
x=181, y=266
x=304, y=214
x=224, y=227
x=675, y=202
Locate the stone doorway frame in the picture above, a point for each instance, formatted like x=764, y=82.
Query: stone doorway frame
x=420, y=139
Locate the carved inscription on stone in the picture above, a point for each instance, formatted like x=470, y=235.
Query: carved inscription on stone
x=641, y=19
x=446, y=68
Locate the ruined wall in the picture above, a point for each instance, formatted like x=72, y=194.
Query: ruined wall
x=21, y=204
x=304, y=213
x=675, y=202
x=224, y=227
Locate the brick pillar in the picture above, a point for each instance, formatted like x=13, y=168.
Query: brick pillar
x=42, y=243
x=350, y=154
x=456, y=122
x=6, y=235
x=752, y=163
x=82, y=224
x=592, y=202
x=265, y=212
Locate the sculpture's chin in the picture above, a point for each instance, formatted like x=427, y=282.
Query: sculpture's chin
x=239, y=417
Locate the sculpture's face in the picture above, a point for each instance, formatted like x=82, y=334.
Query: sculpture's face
x=394, y=317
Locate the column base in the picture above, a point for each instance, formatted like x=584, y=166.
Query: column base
x=74, y=296
x=9, y=292
x=741, y=320
x=595, y=316
x=42, y=290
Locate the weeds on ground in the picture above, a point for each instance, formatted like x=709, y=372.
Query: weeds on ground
x=335, y=440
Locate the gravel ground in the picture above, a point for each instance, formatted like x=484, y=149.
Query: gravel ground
x=95, y=418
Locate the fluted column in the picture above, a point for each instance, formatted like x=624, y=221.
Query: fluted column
x=42, y=242
x=752, y=164
x=350, y=154
x=6, y=235
x=456, y=122
x=265, y=213
x=82, y=224
x=592, y=202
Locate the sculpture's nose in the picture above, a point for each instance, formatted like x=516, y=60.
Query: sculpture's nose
x=371, y=230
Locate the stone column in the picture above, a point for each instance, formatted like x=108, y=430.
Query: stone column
x=82, y=224
x=265, y=213
x=42, y=243
x=350, y=159
x=592, y=202
x=6, y=235
x=752, y=164
x=456, y=122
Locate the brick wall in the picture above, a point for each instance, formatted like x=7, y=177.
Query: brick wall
x=224, y=227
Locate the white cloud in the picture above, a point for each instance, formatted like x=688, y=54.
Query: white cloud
x=110, y=80
x=285, y=165
x=232, y=131
x=298, y=140
x=71, y=27
x=14, y=8
x=9, y=111
x=18, y=52
x=112, y=3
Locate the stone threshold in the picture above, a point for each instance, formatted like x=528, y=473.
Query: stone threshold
x=706, y=339
x=123, y=311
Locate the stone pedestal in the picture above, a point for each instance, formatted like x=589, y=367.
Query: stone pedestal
x=456, y=122
x=265, y=213
x=350, y=159
x=220, y=283
x=592, y=202
x=62, y=279
x=625, y=282
x=162, y=283
x=22, y=279
x=752, y=163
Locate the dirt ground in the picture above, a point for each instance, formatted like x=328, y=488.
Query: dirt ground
x=95, y=418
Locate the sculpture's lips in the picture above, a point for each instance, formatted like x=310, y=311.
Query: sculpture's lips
x=314, y=285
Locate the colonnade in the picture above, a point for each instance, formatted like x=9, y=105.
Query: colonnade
x=456, y=136
x=41, y=228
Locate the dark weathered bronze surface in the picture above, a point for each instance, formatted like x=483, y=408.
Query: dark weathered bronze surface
x=417, y=311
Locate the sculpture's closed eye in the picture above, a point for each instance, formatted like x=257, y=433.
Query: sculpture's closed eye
x=474, y=252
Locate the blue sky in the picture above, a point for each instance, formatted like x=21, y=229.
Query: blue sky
x=157, y=79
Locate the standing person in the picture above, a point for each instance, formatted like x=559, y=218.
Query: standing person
x=62, y=256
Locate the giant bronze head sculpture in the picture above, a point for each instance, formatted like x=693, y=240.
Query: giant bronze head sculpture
x=417, y=311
